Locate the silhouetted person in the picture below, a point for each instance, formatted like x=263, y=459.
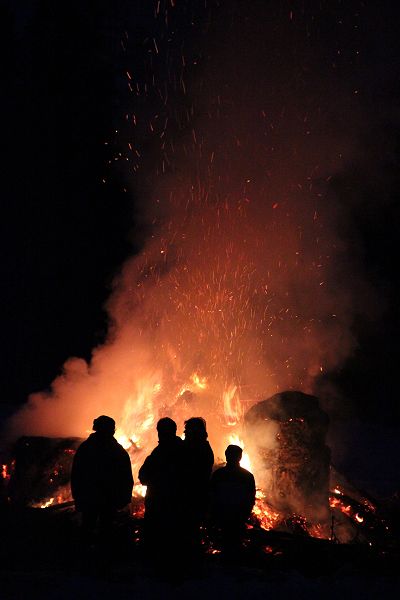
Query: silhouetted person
x=233, y=492
x=101, y=479
x=198, y=464
x=161, y=472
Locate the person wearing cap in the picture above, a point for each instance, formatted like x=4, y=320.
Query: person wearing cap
x=233, y=492
x=197, y=467
x=101, y=479
x=161, y=472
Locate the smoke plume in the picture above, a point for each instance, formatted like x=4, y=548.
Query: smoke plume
x=247, y=283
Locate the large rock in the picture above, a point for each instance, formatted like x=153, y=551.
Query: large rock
x=287, y=435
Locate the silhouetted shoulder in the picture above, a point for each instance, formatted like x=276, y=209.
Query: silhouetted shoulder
x=230, y=486
x=247, y=475
x=101, y=473
x=238, y=473
x=146, y=470
x=170, y=447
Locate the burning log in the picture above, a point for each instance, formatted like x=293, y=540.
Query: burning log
x=287, y=435
x=42, y=470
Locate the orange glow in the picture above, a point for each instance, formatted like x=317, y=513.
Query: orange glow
x=123, y=440
x=359, y=518
x=369, y=505
x=334, y=502
x=233, y=409
x=245, y=461
x=138, y=510
x=234, y=294
x=267, y=517
x=46, y=504
x=347, y=509
x=319, y=531
x=139, y=490
x=200, y=382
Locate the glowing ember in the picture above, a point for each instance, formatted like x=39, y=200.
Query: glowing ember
x=138, y=509
x=318, y=531
x=48, y=503
x=359, y=518
x=267, y=517
x=5, y=472
x=350, y=511
x=369, y=506
x=213, y=551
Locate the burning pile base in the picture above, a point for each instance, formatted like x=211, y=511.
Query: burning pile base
x=285, y=437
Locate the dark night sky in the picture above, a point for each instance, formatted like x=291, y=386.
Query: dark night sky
x=65, y=233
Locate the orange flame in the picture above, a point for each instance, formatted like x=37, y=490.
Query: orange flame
x=245, y=461
x=233, y=409
x=267, y=517
x=359, y=518
x=4, y=472
x=200, y=382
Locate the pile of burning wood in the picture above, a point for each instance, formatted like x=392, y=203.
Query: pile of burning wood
x=298, y=490
x=39, y=471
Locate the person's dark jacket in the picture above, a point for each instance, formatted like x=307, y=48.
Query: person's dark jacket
x=161, y=473
x=197, y=468
x=233, y=492
x=199, y=461
x=101, y=474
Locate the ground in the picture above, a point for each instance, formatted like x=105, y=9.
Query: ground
x=41, y=558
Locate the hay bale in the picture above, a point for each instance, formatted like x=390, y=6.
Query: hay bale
x=288, y=433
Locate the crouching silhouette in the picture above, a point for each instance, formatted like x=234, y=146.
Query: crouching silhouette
x=101, y=479
x=232, y=491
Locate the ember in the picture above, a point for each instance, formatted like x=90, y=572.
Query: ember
x=266, y=516
x=5, y=472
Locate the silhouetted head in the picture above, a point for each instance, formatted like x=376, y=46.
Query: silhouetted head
x=233, y=454
x=104, y=425
x=166, y=429
x=195, y=429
